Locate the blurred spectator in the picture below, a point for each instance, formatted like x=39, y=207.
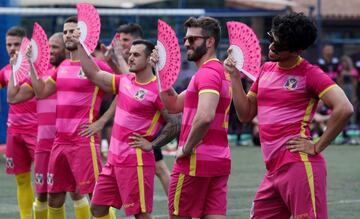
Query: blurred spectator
x=185, y=75
x=328, y=63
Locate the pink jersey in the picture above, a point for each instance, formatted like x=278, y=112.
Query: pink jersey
x=46, y=112
x=212, y=156
x=22, y=116
x=138, y=109
x=287, y=101
x=78, y=101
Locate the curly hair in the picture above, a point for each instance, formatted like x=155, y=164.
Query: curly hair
x=294, y=30
x=210, y=26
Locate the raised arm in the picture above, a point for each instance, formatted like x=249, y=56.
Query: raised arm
x=92, y=71
x=18, y=93
x=173, y=102
x=245, y=105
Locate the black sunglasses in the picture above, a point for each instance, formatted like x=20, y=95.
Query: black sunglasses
x=192, y=39
x=278, y=46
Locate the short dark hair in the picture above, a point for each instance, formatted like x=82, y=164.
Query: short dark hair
x=148, y=45
x=72, y=19
x=294, y=30
x=210, y=27
x=133, y=29
x=16, y=31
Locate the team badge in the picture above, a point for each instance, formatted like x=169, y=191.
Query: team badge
x=50, y=179
x=291, y=83
x=82, y=74
x=9, y=163
x=140, y=94
x=39, y=178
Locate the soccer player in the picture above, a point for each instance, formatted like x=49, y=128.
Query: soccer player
x=74, y=161
x=198, y=184
x=127, y=178
x=21, y=133
x=46, y=115
x=284, y=97
x=129, y=33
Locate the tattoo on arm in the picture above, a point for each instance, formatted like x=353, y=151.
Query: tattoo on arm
x=170, y=131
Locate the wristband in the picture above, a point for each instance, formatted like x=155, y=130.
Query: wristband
x=315, y=153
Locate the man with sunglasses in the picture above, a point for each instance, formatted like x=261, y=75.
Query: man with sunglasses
x=202, y=165
x=285, y=97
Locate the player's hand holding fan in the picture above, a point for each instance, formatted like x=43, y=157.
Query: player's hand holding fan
x=21, y=67
x=89, y=25
x=168, y=67
x=245, y=48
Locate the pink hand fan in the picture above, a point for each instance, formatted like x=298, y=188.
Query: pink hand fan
x=169, y=56
x=116, y=38
x=40, y=54
x=245, y=48
x=89, y=25
x=22, y=67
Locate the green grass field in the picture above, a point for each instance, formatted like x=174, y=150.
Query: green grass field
x=247, y=170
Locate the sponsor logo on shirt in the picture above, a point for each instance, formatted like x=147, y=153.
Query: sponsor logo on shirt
x=291, y=83
x=39, y=178
x=50, y=178
x=140, y=94
x=9, y=163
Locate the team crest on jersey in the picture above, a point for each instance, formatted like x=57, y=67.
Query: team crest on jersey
x=82, y=74
x=9, y=163
x=291, y=83
x=39, y=178
x=140, y=94
x=50, y=178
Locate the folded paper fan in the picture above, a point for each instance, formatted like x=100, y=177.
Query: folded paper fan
x=116, y=38
x=169, y=56
x=89, y=25
x=22, y=67
x=245, y=48
x=40, y=57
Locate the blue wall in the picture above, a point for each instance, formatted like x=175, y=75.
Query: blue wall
x=6, y=22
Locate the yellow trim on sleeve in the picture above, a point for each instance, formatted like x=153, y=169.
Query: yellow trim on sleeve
x=251, y=94
x=310, y=177
x=28, y=85
x=113, y=85
x=209, y=91
x=92, y=138
x=326, y=90
x=140, y=173
x=51, y=79
x=179, y=186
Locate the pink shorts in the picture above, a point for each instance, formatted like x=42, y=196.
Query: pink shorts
x=19, y=151
x=41, y=169
x=71, y=168
x=130, y=187
x=191, y=196
x=287, y=192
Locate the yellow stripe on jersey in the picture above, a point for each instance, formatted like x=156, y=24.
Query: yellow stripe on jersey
x=113, y=84
x=251, y=94
x=153, y=123
x=140, y=173
x=326, y=90
x=92, y=138
x=306, y=119
x=139, y=156
x=51, y=79
x=209, y=91
x=310, y=177
x=179, y=186
x=192, y=168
